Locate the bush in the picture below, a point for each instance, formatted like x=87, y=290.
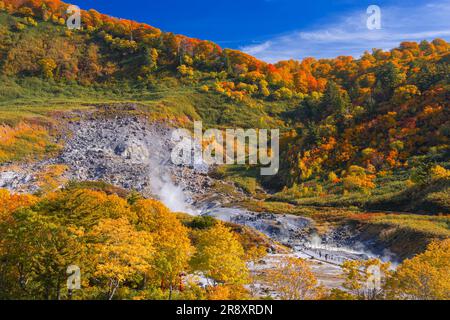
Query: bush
x=438, y=172
x=357, y=179
x=204, y=88
x=30, y=21
x=185, y=71
x=202, y=222
x=19, y=26
x=283, y=93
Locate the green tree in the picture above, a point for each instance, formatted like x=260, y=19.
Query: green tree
x=388, y=78
x=335, y=100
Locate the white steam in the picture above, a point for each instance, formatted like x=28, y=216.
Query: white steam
x=170, y=194
x=162, y=185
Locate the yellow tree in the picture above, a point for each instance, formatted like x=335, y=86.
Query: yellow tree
x=220, y=255
x=85, y=207
x=293, y=279
x=11, y=202
x=424, y=277
x=227, y=292
x=47, y=65
x=36, y=252
x=120, y=252
x=173, y=248
x=357, y=178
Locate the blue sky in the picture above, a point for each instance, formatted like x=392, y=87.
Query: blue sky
x=275, y=30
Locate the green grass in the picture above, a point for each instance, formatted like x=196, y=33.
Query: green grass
x=169, y=97
x=13, y=114
x=246, y=178
x=429, y=197
x=433, y=225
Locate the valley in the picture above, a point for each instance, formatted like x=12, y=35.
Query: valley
x=87, y=178
x=131, y=153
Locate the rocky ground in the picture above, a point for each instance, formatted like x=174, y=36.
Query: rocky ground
x=126, y=151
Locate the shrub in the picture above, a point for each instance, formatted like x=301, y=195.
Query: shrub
x=47, y=65
x=282, y=93
x=30, y=21
x=357, y=179
x=19, y=26
x=185, y=71
x=204, y=88
x=438, y=172
x=202, y=222
x=333, y=178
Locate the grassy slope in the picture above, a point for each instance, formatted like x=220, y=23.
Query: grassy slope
x=166, y=100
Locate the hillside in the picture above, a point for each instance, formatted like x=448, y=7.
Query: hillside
x=357, y=130
x=86, y=118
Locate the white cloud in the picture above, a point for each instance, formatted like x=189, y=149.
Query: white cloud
x=348, y=35
x=259, y=48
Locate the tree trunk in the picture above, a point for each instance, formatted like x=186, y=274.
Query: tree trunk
x=113, y=288
x=170, y=292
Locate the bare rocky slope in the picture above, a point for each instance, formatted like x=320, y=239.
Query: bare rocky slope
x=123, y=150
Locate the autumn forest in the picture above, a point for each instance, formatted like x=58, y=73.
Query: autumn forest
x=364, y=159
